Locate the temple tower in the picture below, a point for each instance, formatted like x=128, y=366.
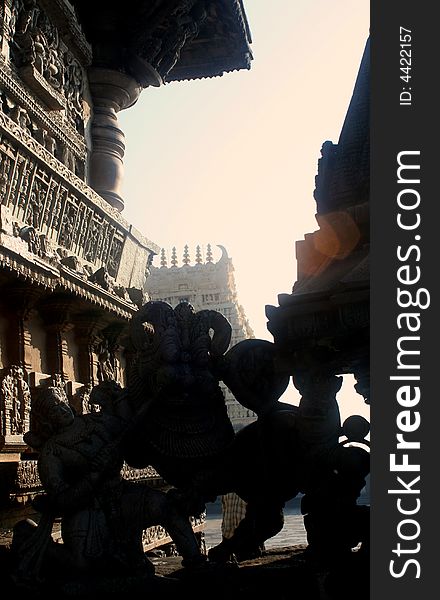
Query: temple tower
x=206, y=285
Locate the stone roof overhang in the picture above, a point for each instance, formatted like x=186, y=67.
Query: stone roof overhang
x=213, y=53
x=322, y=309
x=131, y=37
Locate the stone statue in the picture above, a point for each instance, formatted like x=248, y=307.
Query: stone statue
x=186, y=427
x=172, y=416
x=186, y=434
x=292, y=449
x=102, y=515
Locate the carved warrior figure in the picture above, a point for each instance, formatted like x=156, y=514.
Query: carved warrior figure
x=103, y=516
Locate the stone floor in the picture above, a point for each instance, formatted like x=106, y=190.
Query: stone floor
x=281, y=574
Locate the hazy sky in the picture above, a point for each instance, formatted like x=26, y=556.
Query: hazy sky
x=232, y=160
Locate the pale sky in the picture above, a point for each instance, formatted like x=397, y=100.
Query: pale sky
x=232, y=160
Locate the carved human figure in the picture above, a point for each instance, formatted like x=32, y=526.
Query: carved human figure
x=92, y=242
x=103, y=516
x=40, y=134
x=67, y=157
x=81, y=400
x=35, y=206
x=73, y=89
x=15, y=402
x=5, y=164
x=29, y=235
x=50, y=144
x=20, y=25
x=106, y=367
x=7, y=402
x=19, y=115
x=38, y=51
x=67, y=230
x=335, y=473
x=24, y=394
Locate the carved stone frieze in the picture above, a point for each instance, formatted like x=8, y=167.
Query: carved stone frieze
x=139, y=474
x=54, y=165
x=43, y=124
x=41, y=197
x=63, y=16
x=44, y=61
x=157, y=535
x=27, y=478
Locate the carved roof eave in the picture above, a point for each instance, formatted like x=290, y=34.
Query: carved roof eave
x=27, y=479
x=197, y=60
x=321, y=313
x=335, y=328
x=353, y=271
x=211, y=69
x=64, y=279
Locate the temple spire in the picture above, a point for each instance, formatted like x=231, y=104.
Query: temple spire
x=208, y=254
x=186, y=259
x=163, y=258
x=174, y=257
x=198, y=255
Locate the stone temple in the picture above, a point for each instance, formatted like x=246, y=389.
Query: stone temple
x=72, y=270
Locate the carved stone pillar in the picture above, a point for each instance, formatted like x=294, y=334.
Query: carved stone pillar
x=56, y=317
x=111, y=91
x=20, y=301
